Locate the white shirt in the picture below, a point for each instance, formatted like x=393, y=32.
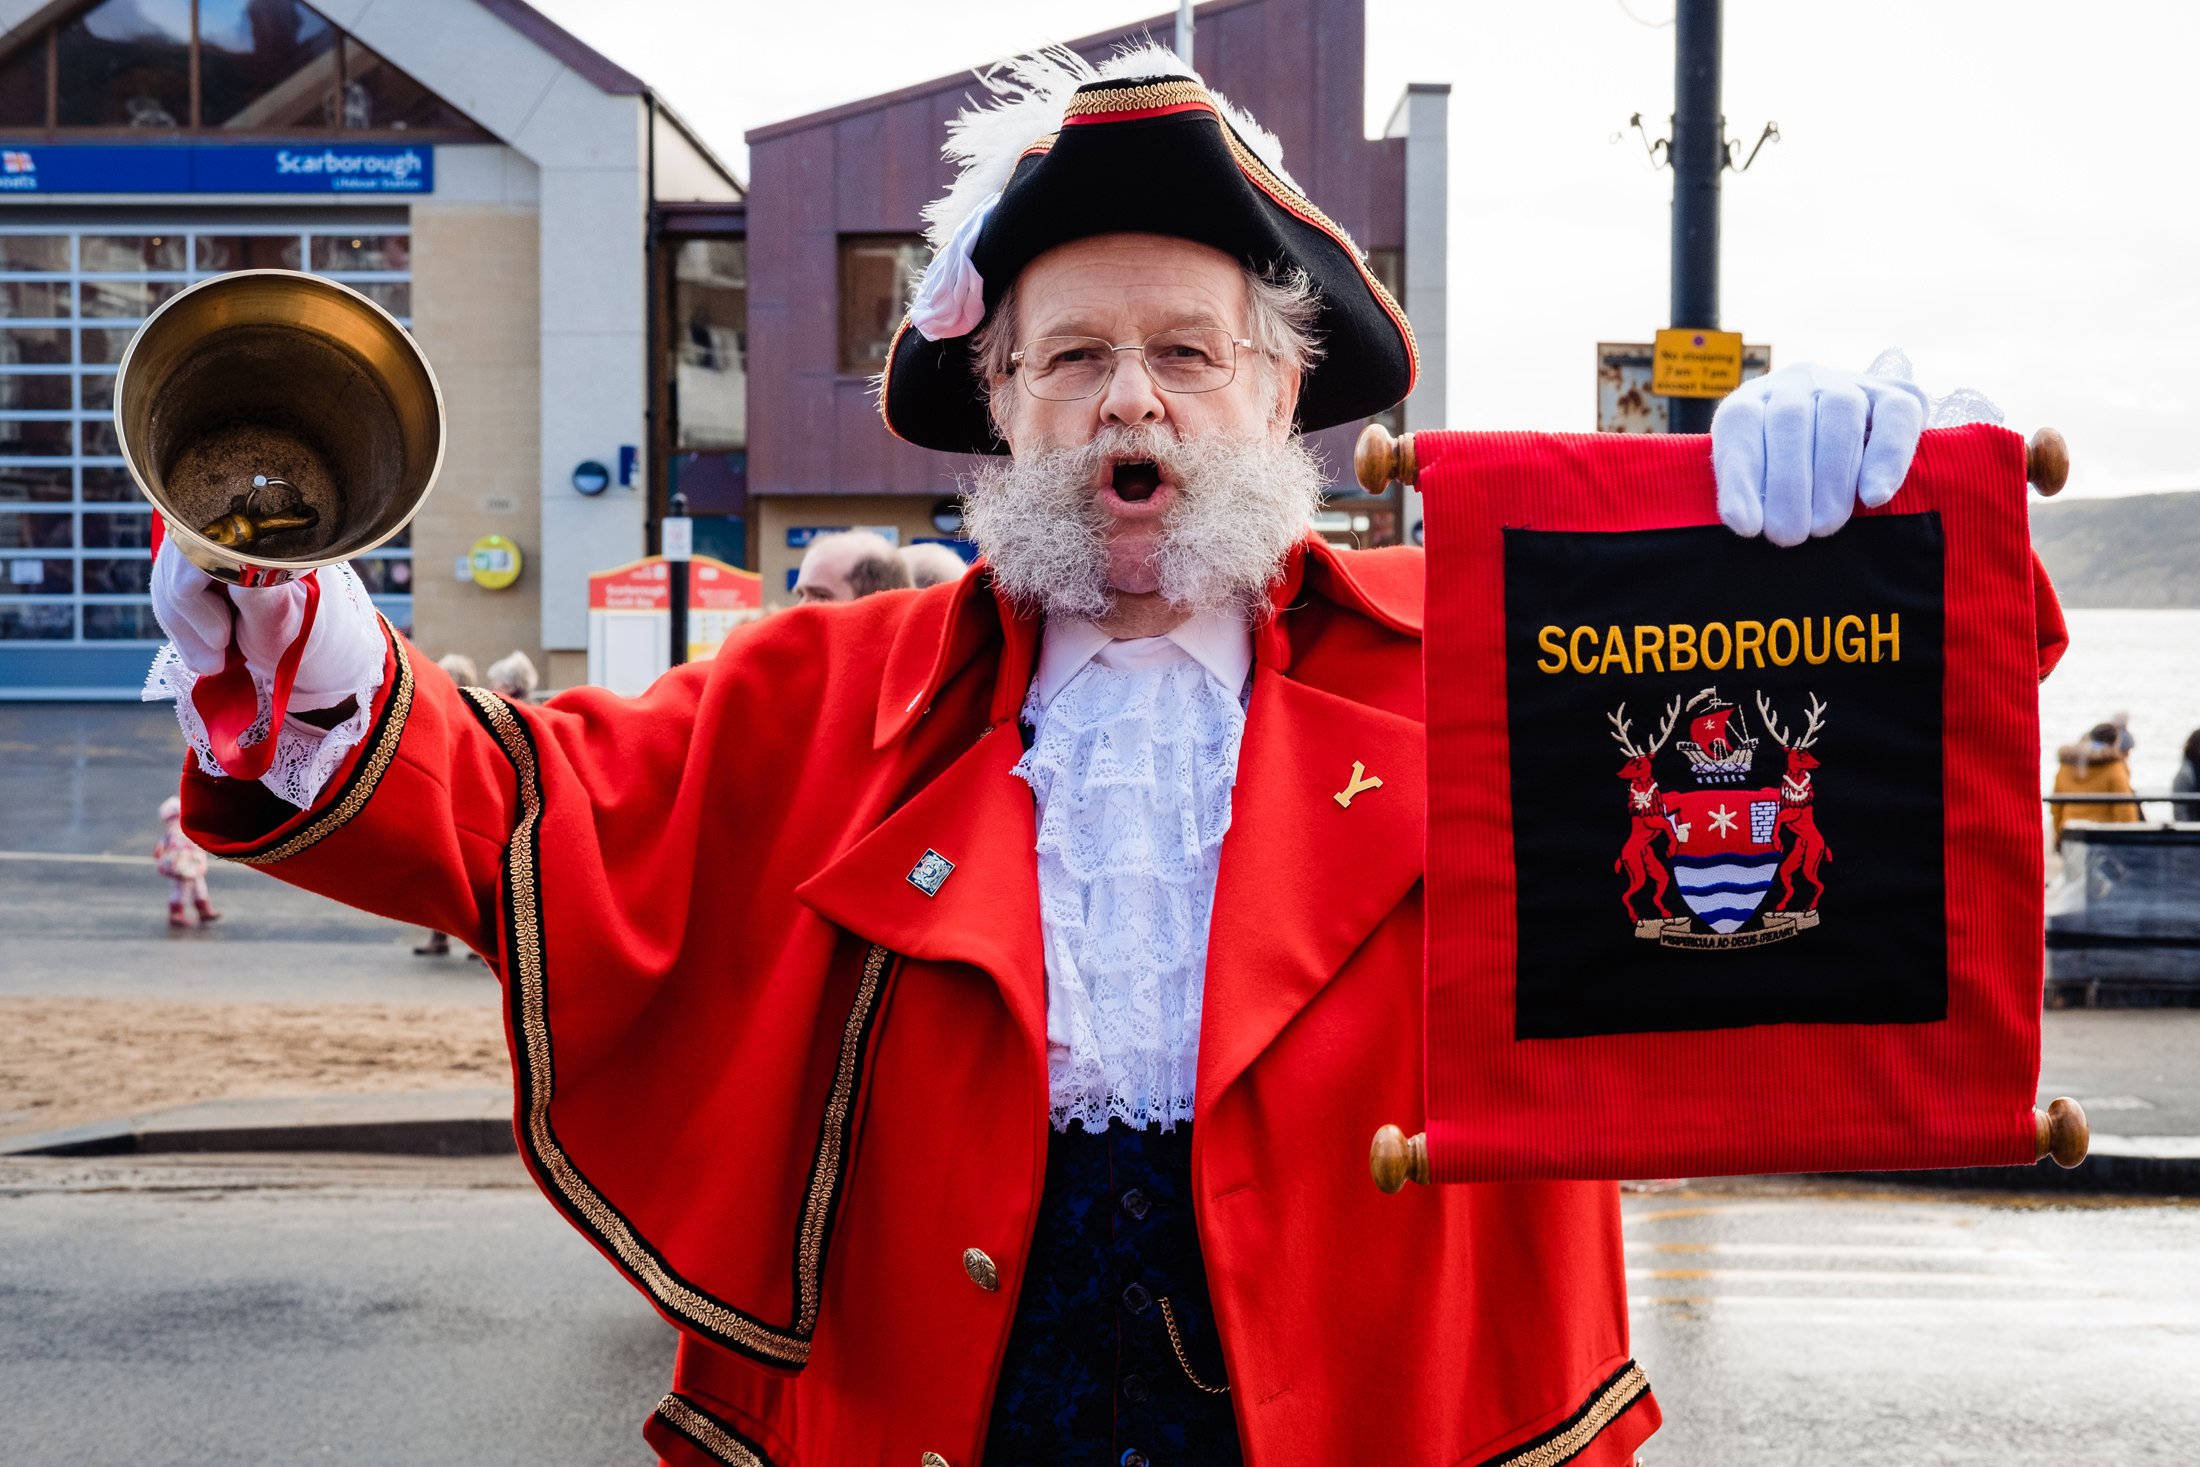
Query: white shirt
x=1132, y=761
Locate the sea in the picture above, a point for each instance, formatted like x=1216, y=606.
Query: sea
x=2142, y=663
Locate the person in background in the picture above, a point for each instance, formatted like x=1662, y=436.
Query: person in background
x=177, y=857
x=2187, y=780
x=848, y=566
x=514, y=676
x=2094, y=766
x=931, y=564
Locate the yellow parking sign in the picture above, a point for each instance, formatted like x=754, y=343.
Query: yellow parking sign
x=494, y=562
x=1692, y=363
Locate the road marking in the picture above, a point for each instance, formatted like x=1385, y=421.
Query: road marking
x=1849, y=1250
x=79, y=858
x=1847, y=1276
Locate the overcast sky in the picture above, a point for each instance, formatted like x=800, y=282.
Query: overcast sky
x=2008, y=190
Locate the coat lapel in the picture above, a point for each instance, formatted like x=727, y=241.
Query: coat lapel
x=1304, y=879
x=976, y=815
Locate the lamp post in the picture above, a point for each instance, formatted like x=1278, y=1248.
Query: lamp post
x=1699, y=156
x=676, y=536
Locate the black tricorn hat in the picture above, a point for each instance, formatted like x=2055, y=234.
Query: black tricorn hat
x=1154, y=153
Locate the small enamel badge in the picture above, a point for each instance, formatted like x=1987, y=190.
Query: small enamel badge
x=1360, y=783
x=931, y=873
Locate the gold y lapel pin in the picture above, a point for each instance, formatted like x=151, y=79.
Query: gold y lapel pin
x=1360, y=784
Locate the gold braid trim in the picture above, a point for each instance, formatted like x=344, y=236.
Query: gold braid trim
x=1571, y=1439
x=365, y=775
x=530, y=1005
x=1091, y=101
x=1297, y=203
x=709, y=1433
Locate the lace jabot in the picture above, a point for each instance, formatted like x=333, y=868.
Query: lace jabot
x=1131, y=769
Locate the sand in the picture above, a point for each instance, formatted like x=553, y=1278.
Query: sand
x=67, y=1061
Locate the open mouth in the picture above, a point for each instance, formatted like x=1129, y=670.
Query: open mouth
x=1135, y=481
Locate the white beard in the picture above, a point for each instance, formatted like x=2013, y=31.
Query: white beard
x=1242, y=503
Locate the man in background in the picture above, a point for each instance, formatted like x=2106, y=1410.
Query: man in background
x=931, y=564
x=848, y=566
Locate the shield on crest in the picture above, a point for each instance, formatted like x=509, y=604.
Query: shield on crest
x=1725, y=851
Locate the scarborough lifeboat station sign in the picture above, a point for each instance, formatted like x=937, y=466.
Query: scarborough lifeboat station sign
x=305, y=168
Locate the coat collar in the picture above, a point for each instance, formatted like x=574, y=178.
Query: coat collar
x=950, y=625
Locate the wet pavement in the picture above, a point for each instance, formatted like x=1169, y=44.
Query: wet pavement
x=286, y=1309
x=1810, y=1324
x=312, y=1309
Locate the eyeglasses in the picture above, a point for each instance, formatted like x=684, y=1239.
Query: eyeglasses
x=1186, y=359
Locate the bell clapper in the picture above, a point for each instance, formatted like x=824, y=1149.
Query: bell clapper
x=241, y=527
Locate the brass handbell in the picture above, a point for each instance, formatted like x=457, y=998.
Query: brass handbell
x=278, y=422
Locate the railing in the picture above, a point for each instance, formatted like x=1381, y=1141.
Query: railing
x=2182, y=797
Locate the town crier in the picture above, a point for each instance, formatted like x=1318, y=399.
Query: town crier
x=962, y=1012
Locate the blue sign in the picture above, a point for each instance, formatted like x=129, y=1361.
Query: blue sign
x=800, y=536
x=239, y=168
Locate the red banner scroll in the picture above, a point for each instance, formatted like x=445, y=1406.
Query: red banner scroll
x=1734, y=854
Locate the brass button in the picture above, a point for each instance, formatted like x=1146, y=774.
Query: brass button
x=932, y=1459
x=981, y=1271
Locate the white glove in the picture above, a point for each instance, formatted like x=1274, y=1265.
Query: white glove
x=343, y=654
x=1795, y=451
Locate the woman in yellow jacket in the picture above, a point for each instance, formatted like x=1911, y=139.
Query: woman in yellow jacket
x=2094, y=766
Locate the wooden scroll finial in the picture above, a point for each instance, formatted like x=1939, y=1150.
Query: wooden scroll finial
x=1396, y=1158
x=1379, y=460
x=2047, y=466
x=2060, y=1130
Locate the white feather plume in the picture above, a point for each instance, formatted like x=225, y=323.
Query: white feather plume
x=1030, y=97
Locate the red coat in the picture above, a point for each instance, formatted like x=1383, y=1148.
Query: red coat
x=784, y=1090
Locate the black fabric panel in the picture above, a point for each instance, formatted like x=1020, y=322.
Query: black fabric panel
x=1865, y=944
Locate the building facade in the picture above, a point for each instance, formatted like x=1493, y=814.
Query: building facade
x=476, y=170
x=613, y=317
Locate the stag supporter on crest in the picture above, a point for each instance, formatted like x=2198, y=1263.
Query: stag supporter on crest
x=870, y=982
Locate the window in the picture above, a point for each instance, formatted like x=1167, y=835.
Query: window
x=710, y=308
x=255, y=66
x=75, y=535
x=377, y=94
x=23, y=87
x=878, y=275
x=265, y=64
x=126, y=63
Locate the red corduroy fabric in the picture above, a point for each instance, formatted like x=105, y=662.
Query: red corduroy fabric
x=1776, y=1097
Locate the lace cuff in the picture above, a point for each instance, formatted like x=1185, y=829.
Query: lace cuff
x=305, y=756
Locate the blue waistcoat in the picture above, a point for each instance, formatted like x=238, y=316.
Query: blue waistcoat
x=1092, y=1378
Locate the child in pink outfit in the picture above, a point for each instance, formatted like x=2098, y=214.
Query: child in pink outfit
x=184, y=864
